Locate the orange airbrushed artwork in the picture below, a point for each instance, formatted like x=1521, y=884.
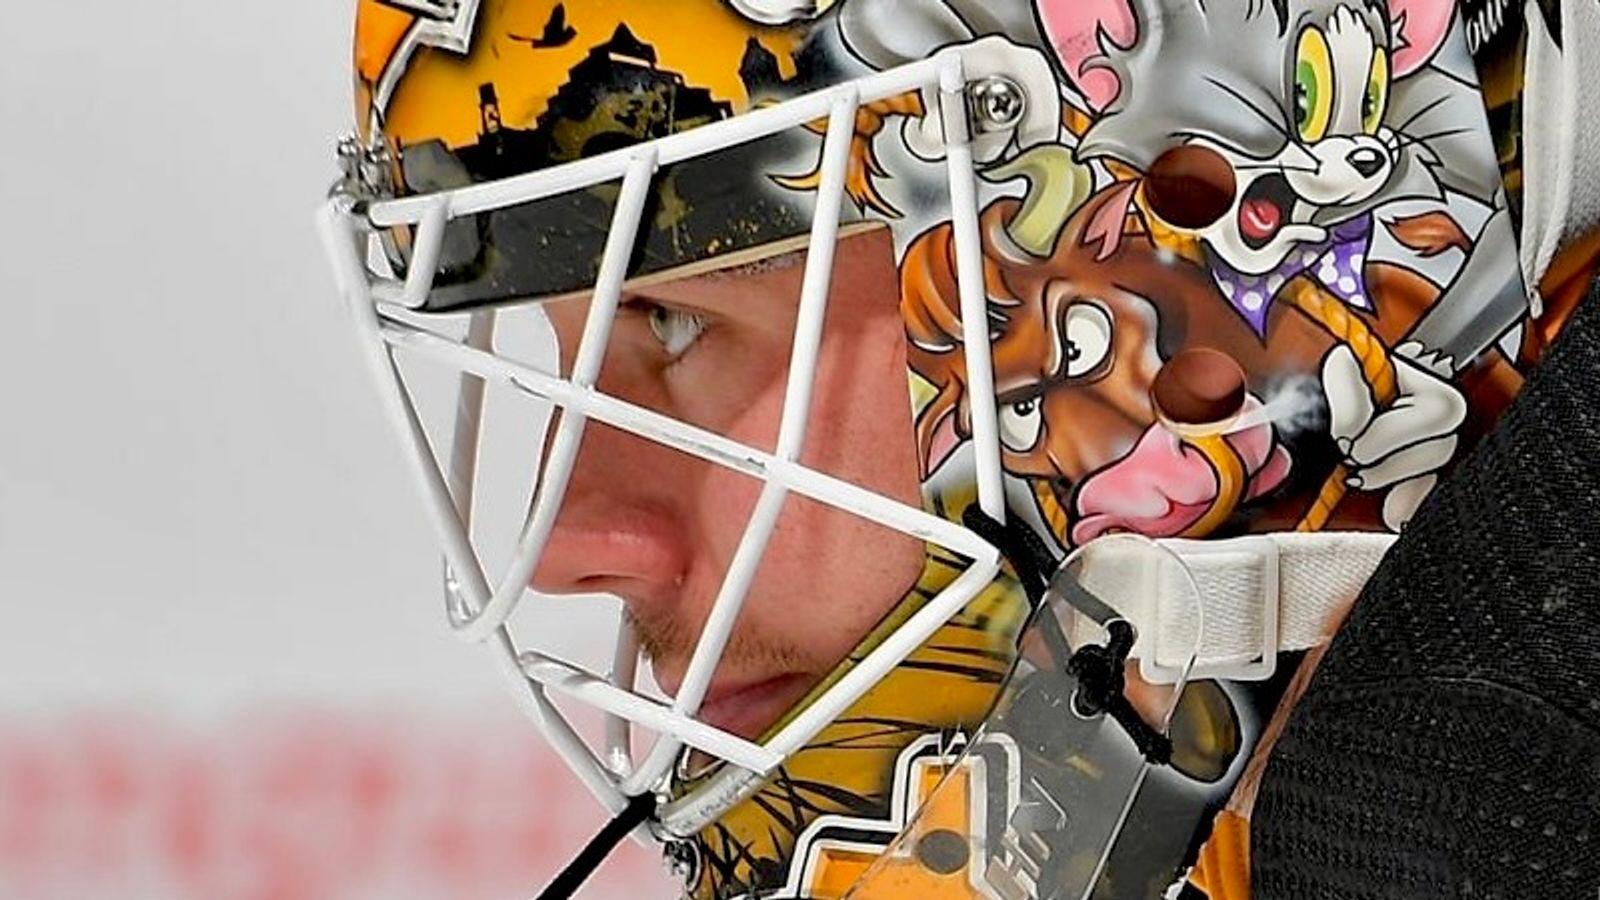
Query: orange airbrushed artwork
x=526, y=50
x=1079, y=338
x=379, y=30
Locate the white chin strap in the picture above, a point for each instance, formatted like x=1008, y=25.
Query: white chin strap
x=1561, y=146
x=1259, y=596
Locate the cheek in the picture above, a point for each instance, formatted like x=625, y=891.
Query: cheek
x=1094, y=425
x=1036, y=462
x=725, y=498
x=566, y=322
x=828, y=577
x=1137, y=362
x=861, y=428
x=732, y=385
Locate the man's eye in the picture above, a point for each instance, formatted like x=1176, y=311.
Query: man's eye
x=675, y=329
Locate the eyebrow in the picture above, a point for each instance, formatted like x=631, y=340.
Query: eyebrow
x=760, y=266
x=776, y=263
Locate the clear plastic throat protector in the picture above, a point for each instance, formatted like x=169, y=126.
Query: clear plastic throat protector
x=1031, y=804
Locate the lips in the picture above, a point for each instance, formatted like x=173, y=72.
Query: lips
x=746, y=708
x=1163, y=486
x=1264, y=209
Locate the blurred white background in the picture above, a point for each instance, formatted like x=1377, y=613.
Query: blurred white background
x=223, y=666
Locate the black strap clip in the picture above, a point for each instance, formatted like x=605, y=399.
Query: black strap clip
x=1102, y=690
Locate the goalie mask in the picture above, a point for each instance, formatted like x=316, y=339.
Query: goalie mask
x=1153, y=271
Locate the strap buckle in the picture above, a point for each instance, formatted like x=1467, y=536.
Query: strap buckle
x=1237, y=638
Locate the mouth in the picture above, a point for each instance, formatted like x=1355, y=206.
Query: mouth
x=1264, y=209
x=747, y=708
x=1162, y=486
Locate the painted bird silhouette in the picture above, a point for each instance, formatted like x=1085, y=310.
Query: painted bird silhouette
x=557, y=33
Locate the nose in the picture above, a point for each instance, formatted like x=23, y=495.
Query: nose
x=618, y=531
x=1199, y=390
x=1190, y=186
x=1366, y=161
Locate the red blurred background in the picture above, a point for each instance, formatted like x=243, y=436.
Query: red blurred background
x=293, y=805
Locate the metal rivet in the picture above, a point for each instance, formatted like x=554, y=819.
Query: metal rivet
x=997, y=103
x=682, y=859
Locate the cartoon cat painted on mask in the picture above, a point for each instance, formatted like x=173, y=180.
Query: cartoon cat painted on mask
x=1325, y=111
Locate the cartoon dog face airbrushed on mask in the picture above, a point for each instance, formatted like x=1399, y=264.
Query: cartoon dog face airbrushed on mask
x=1080, y=333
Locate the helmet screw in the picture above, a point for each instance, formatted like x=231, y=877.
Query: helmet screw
x=348, y=153
x=997, y=103
x=682, y=859
x=362, y=169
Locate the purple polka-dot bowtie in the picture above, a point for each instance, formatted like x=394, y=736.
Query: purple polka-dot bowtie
x=1336, y=264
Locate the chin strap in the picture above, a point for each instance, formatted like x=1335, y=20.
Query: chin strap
x=1033, y=562
x=636, y=813
x=1258, y=596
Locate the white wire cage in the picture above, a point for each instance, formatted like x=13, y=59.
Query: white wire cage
x=479, y=606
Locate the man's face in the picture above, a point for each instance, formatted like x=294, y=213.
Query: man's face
x=658, y=528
